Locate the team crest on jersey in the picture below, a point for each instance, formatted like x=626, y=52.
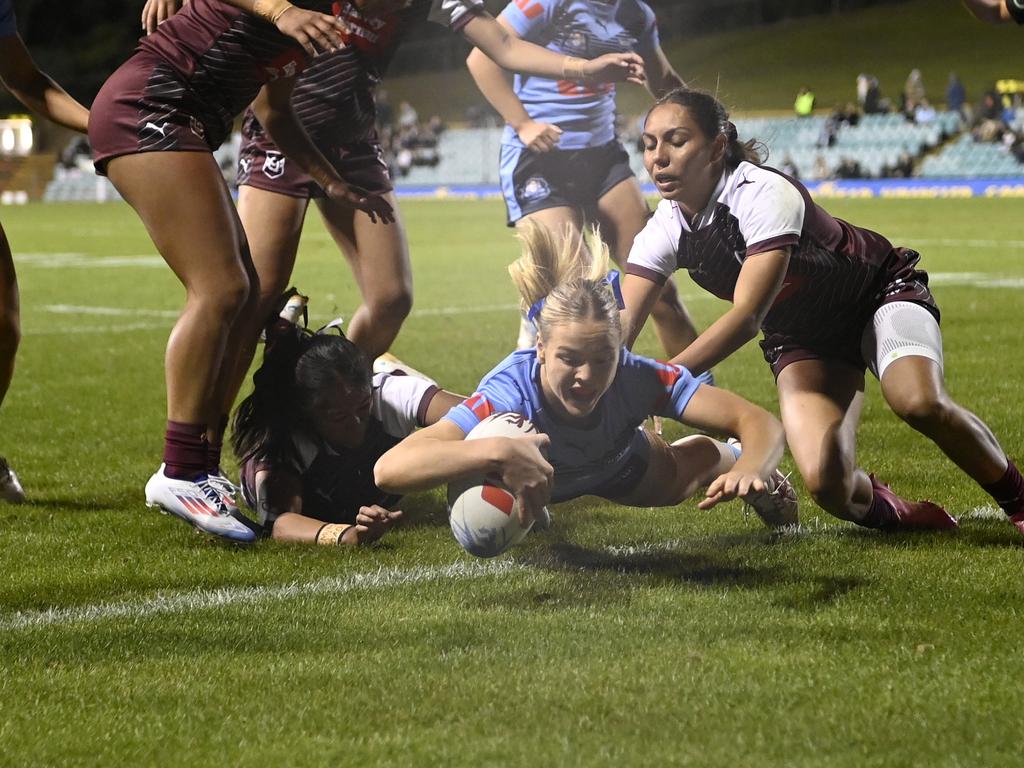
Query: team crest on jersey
x=273, y=165
x=576, y=41
x=536, y=188
x=197, y=128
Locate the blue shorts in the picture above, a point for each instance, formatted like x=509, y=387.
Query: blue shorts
x=574, y=178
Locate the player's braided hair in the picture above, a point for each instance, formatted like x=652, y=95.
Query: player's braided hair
x=297, y=367
x=713, y=118
x=567, y=272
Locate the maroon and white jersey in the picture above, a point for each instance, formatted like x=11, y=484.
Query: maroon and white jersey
x=455, y=14
x=333, y=97
x=838, y=273
x=222, y=56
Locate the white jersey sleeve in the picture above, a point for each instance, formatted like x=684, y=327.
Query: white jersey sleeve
x=399, y=402
x=769, y=210
x=656, y=248
x=455, y=14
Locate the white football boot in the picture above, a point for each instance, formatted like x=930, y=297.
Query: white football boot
x=198, y=503
x=228, y=491
x=776, y=505
x=10, y=489
x=388, y=363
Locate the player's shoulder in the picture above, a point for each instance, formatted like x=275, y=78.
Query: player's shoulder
x=752, y=185
x=636, y=11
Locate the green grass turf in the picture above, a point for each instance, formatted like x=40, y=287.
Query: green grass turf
x=761, y=68
x=622, y=637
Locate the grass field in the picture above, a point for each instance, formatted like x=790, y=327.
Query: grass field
x=620, y=638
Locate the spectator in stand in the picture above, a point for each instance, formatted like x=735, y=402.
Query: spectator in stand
x=804, y=104
x=913, y=92
x=997, y=11
x=925, y=113
x=849, y=169
x=869, y=95
x=956, y=94
x=903, y=168
x=788, y=166
x=407, y=116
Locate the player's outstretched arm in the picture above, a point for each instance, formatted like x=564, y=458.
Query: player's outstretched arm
x=274, y=110
x=493, y=82
x=717, y=410
x=35, y=89
x=993, y=11
x=517, y=55
x=757, y=286
x=315, y=32
x=639, y=295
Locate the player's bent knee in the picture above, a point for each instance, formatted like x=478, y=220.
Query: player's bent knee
x=392, y=307
x=919, y=409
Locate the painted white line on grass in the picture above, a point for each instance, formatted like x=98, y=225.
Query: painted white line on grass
x=96, y=329
x=471, y=310
x=959, y=242
x=81, y=309
x=975, y=280
x=65, y=260
x=230, y=596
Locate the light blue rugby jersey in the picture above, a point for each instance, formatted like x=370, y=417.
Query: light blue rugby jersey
x=584, y=28
x=583, y=457
x=8, y=24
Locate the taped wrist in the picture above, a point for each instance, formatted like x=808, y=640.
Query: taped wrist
x=271, y=10
x=574, y=69
x=330, y=534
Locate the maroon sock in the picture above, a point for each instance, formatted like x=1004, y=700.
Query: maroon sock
x=184, y=450
x=1008, y=491
x=214, y=446
x=881, y=514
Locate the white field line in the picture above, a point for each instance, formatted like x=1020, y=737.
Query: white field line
x=198, y=600
x=76, y=309
x=230, y=596
x=66, y=260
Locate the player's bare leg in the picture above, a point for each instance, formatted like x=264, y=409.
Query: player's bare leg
x=192, y=221
x=915, y=389
x=622, y=213
x=378, y=255
x=559, y=220
x=821, y=403
x=273, y=226
x=10, y=337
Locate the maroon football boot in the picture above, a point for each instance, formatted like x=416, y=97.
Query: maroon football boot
x=914, y=515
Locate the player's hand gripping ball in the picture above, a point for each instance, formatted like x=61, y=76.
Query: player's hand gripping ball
x=483, y=513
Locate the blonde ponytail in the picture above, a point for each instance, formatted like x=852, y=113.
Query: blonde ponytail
x=562, y=279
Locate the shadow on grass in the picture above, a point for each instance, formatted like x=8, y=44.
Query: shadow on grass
x=705, y=569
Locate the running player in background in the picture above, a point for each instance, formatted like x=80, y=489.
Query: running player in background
x=312, y=429
x=561, y=162
x=997, y=11
x=153, y=127
x=588, y=397
x=832, y=299
x=38, y=92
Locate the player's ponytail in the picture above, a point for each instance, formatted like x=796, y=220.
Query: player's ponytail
x=564, y=278
x=297, y=367
x=713, y=119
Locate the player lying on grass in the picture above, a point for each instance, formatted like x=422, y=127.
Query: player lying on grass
x=589, y=397
x=312, y=429
x=38, y=92
x=830, y=298
x=561, y=161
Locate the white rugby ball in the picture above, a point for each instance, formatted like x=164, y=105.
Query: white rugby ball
x=483, y=514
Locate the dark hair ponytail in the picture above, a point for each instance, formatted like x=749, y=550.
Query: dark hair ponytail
x=297, y=366
x=713, y=118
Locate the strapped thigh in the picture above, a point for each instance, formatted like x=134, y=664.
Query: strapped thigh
x=900, y=329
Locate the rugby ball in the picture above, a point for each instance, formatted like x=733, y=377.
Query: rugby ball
x=483, y=514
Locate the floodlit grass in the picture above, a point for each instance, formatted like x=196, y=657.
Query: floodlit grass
x=621, y=638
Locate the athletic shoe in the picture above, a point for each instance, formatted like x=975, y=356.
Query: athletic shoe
x=198, y=503
x=914, y=515
x=10, y=489
x=388, y=363
x=1018, y=521
x=527, y=334
x=776, y=505
x=228, y=491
